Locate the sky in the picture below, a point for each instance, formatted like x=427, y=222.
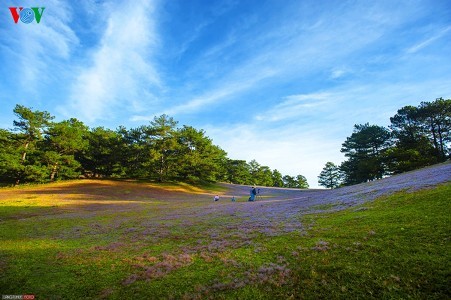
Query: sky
x=282, y=82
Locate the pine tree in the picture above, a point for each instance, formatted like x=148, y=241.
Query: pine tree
x=330, y=176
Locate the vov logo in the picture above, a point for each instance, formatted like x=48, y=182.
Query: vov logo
x=26, y=15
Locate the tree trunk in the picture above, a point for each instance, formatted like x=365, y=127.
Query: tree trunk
x=440, y=140
x=24, y=155
x=160, y=179
x=54, y=171
x=434, y=136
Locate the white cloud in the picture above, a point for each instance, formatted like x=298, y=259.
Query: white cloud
x=215, y=95
x=294, y=106
x=236, y=82
x=291, y=150
x=337, y=73
x=417, y=47
x=285, y=53
x=303, y=147
x=313, y=70
x=120, y=71
x=37, y=48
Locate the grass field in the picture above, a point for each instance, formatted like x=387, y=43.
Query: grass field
x=126, y=240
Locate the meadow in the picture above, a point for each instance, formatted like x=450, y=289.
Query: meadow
x=103, y=239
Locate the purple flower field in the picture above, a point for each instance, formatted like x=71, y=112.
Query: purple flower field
x=278, y=210
x=148, y=234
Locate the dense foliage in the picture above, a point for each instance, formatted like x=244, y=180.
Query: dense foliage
x=40, y=150
x=417, y=137
x=330, y=176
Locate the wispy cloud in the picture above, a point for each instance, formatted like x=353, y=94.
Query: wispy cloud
x=302, y=132
x=300, y=74
x=417, y=47
x=37, y=48
x=337, y=73
x=293, y=150
x=238, y=81
x=120, y=71
x=287, y=51
x=294, y=106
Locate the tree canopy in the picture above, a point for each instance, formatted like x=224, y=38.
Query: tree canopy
x=416, y=137
x=330, y=176
x=41, y=150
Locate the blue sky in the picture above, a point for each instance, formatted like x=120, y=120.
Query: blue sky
x=282, y=82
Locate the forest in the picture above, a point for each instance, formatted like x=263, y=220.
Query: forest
x=417, y=136
x=40, y=150
x=37, y=149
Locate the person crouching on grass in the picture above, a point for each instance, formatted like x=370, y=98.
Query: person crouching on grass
x=216, y=198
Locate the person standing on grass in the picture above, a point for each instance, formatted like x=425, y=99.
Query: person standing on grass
x=253, y=193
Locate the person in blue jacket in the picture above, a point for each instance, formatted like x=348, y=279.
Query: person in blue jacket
x=253, y=193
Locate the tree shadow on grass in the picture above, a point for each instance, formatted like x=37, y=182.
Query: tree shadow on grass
x=103, y=190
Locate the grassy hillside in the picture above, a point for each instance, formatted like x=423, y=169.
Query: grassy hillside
x=120, y=240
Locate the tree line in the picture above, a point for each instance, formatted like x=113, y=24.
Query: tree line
x=38, y=149
x=417, y=136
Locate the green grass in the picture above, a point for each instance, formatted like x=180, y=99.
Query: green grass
x=396, y=247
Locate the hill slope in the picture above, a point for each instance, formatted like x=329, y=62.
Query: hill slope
x=294, y=201
x=122, y=240
x=410, y=181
